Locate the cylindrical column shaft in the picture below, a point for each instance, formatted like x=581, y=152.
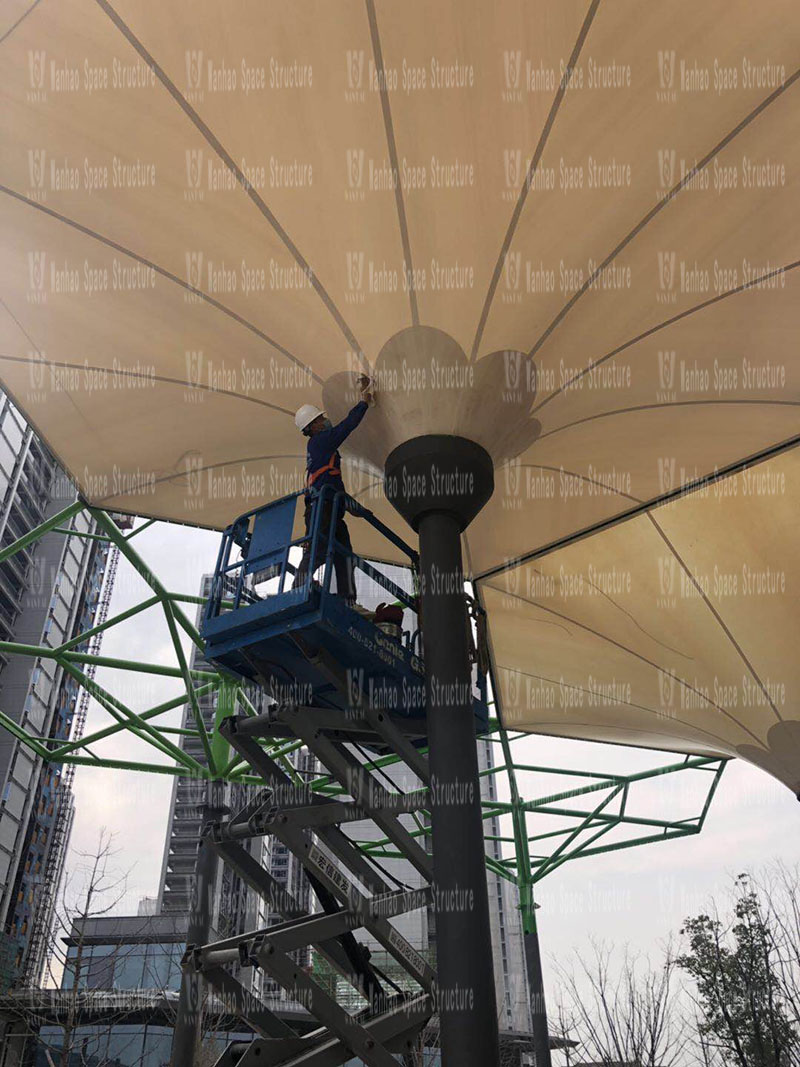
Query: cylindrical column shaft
x=465, y=971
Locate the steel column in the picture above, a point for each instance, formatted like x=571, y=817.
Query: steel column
x=439, y=484
x=533, y=965
x=465, y=970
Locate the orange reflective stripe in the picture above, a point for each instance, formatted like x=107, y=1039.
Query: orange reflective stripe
x=327, y=469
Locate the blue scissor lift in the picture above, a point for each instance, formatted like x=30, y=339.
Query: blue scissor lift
x=341, y=683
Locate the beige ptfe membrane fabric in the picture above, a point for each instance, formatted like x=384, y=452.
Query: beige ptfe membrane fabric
x=566, y=230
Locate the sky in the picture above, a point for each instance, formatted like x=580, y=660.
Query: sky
x=638, y=896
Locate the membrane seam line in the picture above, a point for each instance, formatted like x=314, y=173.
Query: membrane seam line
x=528, y=181
x=667, y=199
x=666, y=323
x=392, y=146
x=231, y=164
x=716, y=614
x=631, y=652
x=684, y=490
x=123, y=250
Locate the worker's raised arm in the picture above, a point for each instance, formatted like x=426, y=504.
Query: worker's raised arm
x=334, y=436
x=342, y=430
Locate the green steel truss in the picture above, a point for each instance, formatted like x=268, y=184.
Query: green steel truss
x=526, y=839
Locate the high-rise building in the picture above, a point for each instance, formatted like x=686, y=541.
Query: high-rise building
x=508, y=944
x=287, y=871
x=49, y=593
x=236, y=907
x=418, y=927
x=234, y=902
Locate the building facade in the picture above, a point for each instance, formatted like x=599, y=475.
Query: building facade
x=418, y=927
x=235, y=906
x=49, y=592
x=508, y=943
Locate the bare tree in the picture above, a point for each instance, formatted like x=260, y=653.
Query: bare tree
x=94, y=888
x=625, y=1012
x=562, y=1025
x=80, y=984
x=778, y=888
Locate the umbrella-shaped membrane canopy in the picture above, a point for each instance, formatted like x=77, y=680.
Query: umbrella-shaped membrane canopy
x=564, y=230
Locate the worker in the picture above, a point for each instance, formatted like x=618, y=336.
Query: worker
x=323, y=467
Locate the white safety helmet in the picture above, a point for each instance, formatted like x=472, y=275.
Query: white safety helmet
x=306, y=415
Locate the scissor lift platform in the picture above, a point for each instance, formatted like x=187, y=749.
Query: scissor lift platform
x=289, y=640
x=340, y=682
x=307, y=643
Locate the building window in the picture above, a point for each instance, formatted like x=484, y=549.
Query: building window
x=100, y=971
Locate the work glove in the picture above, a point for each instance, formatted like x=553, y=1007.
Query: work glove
x=367, y=393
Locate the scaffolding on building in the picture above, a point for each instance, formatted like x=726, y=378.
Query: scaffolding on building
x=36, y=960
